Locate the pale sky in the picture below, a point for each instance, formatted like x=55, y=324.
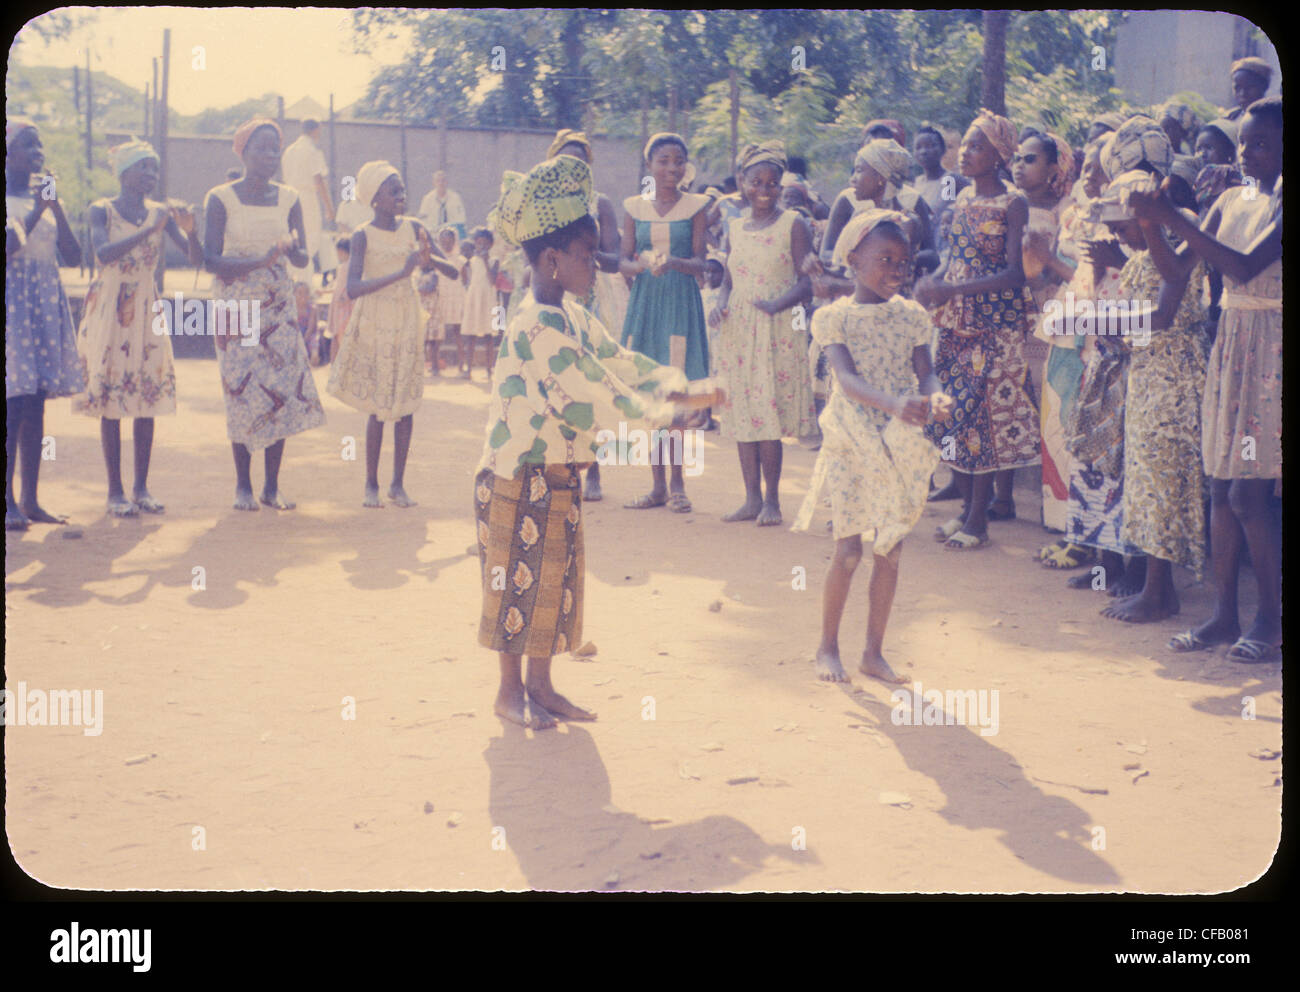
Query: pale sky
x=296, y=52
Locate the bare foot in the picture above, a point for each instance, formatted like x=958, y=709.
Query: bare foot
x=1085, y=579
x=276, y=501
x=769, y=515
x=371, y=499
x=399, y=498
x=36, y=515
x=120, y=506
x=875, y=666
x=556, y=705
x=1143, y=608
x=14, y=519
x=146, y=503
x=828, y=667
x=748, y=510
x=512, y=707
x=244, y=499
x=1131, y=579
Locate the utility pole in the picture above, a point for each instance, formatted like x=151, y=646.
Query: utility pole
x=161, y=129
x=90, y=114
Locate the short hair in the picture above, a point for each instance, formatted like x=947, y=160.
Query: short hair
x=310, y=126
x=483, y=232
x=561, y=238
x=344, y=244
x=928, y=129
x=797, y=164
x=448, y=229
x=666, y=139
x=1219, y=137
x=729, y=184
x=1267, y=109
x=234, y=172
x=713, y=261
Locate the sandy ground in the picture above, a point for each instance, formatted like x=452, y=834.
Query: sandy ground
x=234, y=696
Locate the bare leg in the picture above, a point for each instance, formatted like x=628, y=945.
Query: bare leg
x=510, y=699
x=401, y=448
x=243, y=480
x=110, y=442
x=591, y=492
x=142, y=439
x=981, y=486
x=15, y=414
x=750, y=472
x=769, y=456
x=884, y=581
x=374, y=444
x=1226, y=540
x=271, y=494
x=29, y=453
x=542, y=693
x=839, y=578
x=1249, y=500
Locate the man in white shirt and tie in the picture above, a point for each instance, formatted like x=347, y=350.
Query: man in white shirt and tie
x=443, y=207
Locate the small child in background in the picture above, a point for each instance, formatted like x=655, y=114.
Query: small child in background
x=340, y=303
x=451, y=294
x=434, y=332
x=462, y=336
x=875, y=459
x=476, y=322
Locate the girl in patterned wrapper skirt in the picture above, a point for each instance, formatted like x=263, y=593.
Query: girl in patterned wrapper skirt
x=875, y=460
x=560, y=388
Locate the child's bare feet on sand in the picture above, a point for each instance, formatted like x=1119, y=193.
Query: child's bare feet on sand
x=556, y=705
x=37, y=515
x=399, y=498
x=244, y=499
x=748, y=510
x=511, y=706
x=770, y=514
x=372, y=500
x=828, y=667
x=875, y=666
x=1144, y=608
x=276, y=500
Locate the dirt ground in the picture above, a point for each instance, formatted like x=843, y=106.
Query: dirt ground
x=227, y=759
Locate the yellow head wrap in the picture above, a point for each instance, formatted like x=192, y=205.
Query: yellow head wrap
x=552, y=195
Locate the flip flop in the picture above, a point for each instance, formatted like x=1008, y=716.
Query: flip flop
x=149, y=505
x=679, y=503
x=125, y=508
x=1186, y=642
x=945, y=531
x=1249, y=652
x=965, y=542
x=1051, y=549
x=646, y=502
x=1068, y=557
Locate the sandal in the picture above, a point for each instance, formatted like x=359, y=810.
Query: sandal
x=149, y=505
x=122, y=508
x=962, y=541
x=945, y=531
x=1187, y=641
x=1051, y=549
x=647, y=502
x=679, y=503
x=1249, y=652
x=1070, y=556
x=995, y=514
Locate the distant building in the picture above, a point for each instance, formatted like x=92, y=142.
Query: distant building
x=1162, y=52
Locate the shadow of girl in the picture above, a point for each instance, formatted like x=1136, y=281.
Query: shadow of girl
x=551, y=794
x=70, y=567
x=985, y=788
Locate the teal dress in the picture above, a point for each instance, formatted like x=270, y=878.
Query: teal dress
x=669, y=304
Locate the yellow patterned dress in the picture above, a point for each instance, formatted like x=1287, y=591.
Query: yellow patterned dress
x=1164, y=512
x=380, y=365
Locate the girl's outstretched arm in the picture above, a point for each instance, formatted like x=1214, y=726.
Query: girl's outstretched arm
x=1241, y=267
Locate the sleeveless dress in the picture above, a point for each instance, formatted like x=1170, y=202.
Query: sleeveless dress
x=380, y=365
x=267, y=385
x=980, y=360
x=125, y=347
x=1164, y=495
x=40, y=338
x=480, y=298
x=667, y=305
x=1243, y=387
x=762, y=357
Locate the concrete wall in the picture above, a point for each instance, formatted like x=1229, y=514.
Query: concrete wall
x=474, y=160
x=1162, y=52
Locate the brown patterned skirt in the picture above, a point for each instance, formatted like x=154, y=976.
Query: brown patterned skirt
x=530, y=548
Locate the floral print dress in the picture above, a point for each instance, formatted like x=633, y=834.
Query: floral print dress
x=762, y=357
x=980, y=360
x=126, y=351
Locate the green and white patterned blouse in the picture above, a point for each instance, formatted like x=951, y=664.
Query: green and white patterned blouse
x=559, y=380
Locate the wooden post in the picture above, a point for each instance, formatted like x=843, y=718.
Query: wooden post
x=334, y=176
x=90, y=115
x=161, y=130
x=401, y=137
x=645, y=122
x=144, y=129
x=735, y=119
x=672, y=108
x=76, y=90
x=442, y=137
x=994, y=68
